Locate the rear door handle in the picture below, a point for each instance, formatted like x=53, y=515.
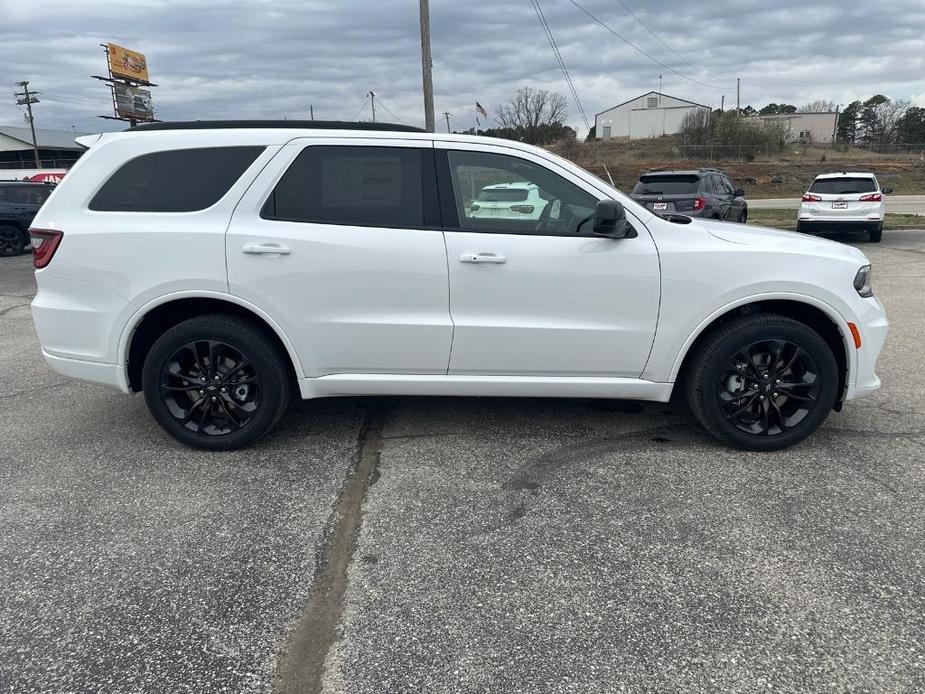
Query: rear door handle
x=266, y=249
x=482, y=258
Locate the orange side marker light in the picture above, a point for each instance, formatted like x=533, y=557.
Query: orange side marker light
x=856, y=334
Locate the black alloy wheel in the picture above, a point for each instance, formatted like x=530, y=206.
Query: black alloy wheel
x=768, y=387
x=12, y=241
x=217, y=382
x=762, y=381
x=210, y=388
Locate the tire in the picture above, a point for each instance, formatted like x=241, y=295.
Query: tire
x=245, y=393
x=743, y=217
x=12, y=240
x=802, y=228
x=717, y=375
x=876, y=233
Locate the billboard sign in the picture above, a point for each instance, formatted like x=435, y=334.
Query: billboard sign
x=133, y=102
x=126, y=63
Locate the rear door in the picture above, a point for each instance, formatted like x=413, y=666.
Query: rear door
x=339, y=240
x=542, y=297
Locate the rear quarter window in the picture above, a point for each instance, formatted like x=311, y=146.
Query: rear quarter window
x=179, y=180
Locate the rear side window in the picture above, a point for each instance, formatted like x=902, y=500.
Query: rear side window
x=29, y=194
x=667, y=185
x=179, y=180
x=843, y=185
x=351, y=185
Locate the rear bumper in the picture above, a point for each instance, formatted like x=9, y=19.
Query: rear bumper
x=817, y=224
x=111, y=375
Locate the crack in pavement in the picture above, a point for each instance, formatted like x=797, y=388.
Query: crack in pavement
x=301, y=667
x=6, y=310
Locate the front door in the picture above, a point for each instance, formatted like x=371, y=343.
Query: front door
x=532, y=291
x=339, y=241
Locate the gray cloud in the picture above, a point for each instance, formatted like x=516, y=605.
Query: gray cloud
x=272, y=59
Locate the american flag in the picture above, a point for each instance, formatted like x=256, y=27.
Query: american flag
x=480, y=109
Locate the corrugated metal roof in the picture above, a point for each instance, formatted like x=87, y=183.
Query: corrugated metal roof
x=50, y=139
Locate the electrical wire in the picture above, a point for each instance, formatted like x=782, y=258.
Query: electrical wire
x=362, y=108
x=555, y=49
x=647, y=55
x=659, y=39
x=388, y=110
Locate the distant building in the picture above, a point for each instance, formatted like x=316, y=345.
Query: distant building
x=650, y=115
x=806, y=128
x=57, y=148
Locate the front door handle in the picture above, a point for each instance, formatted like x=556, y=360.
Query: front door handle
x=266, y=249
x=482, y=258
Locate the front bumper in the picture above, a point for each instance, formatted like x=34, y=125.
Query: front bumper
x=873, y=327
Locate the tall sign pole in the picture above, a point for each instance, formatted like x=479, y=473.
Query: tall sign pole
x=25, y=98
x=427, y=67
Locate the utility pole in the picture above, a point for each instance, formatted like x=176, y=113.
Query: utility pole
x=738, y=86
x=447, y=114
x=427, y=67
x=25, y=98
x=659, y=90
x=311, y=111
x=372, y=101
x=722, y=103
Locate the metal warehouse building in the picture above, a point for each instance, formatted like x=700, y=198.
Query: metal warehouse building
x=649, y=115
x=57, y=148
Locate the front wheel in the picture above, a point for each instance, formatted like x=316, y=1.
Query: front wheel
x=762, y=382
x=216, y=382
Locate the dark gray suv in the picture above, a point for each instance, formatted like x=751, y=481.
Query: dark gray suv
x=706, y=193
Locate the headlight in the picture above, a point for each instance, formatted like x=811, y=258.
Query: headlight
x=862, y=282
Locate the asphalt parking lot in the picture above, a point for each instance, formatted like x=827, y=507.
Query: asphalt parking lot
x=462, y=545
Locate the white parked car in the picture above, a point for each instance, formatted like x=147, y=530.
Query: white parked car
x=519, y=200
x=223, y=268
x=844, y=201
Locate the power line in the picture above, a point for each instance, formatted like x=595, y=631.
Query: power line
x=388, y=110
x=362, y=108
x=659, y=39
x=650, y=57
x=555, y=49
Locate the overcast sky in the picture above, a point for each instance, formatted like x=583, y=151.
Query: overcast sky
x=273, y=58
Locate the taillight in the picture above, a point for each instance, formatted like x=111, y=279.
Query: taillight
x=526, y=209
x=873, y=197
x=809, y=197
x=44, y=244
x=700, y=203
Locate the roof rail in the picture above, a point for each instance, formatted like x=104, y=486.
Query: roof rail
x=295, y=124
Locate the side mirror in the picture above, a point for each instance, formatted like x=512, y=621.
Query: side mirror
x=887, y=191
x=610, y=221
x=739, y=192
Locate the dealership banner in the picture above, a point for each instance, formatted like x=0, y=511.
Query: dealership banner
x=126, y=63
x=133, y=102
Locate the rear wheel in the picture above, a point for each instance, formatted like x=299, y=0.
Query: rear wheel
x=876, y=233
x=743, y=217
x=762, y=382
x=216, y=382
x=802, y=228
x=12, y=241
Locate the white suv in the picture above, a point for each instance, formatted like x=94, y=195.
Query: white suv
x=518, y=200
x=844, y=201
x=223, y=267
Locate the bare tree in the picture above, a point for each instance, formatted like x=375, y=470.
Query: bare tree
x=817, y=106
x=531, y=108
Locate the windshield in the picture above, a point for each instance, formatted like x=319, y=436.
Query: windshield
x=667, y=185
x=843, y=186
x=502, y=195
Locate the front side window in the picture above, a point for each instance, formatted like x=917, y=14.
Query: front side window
x=351, y=185
x=179, y=180
x=503, y=194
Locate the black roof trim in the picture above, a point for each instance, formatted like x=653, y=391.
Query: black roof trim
x=294, y=124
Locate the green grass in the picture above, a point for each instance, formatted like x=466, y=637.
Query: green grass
x=787, y=219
